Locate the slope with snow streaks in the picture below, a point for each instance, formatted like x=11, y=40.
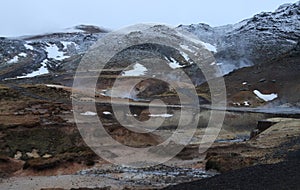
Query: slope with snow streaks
x=265, y=36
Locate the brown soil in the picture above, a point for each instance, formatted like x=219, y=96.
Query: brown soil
x=278, y=76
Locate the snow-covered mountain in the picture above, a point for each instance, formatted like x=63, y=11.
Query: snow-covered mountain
x=261, y=38
x=29, y=56
x=264, y=37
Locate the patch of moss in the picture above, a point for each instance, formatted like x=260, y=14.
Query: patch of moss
x=212, y=164
x=8, y=94
x=46, y=140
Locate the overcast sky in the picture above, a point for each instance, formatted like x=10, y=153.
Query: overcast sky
x=23, y=17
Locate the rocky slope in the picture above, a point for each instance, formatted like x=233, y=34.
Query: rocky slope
x=263, y=37
x=30, y=56
x=278, y=76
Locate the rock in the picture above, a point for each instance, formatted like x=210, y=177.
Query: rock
x=262, y=80
x=33, y=154
x=18, y=155
x=47, y=156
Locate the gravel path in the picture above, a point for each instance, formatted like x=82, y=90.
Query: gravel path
x=65, y=182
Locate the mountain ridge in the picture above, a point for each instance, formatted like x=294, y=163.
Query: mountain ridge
x=259, y=39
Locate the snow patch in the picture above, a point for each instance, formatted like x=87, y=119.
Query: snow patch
x=106, y=113
x=15, y=59
x=210, y=47
x=185, y=47
x=41, y=71
x=119, y=93
x=265, y=97
x=28, y=47
x=246, y=103
x=54, y=53
x=174, y=64
x=292, y=41
x=138, y=70
x=66, y=44
x=131, y=115
x=54, y=86
x=165, y=115
x=236, y=104
x=23, y=54
x=185, y=56
x=88, y=113
x=195, y=40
